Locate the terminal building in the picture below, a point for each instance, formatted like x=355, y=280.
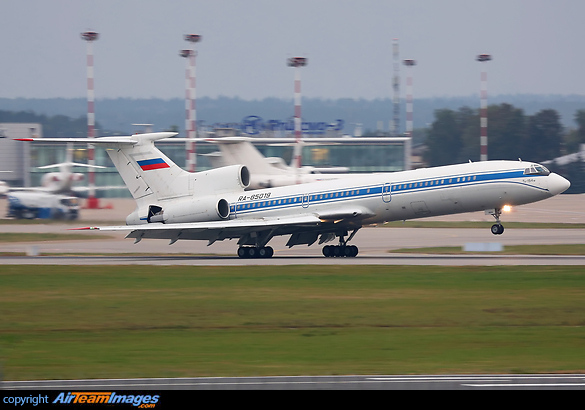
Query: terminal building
x=16, y=160
x=357, y=154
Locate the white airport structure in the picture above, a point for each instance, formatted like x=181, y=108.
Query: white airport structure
x=356, y=154
x=15, y=160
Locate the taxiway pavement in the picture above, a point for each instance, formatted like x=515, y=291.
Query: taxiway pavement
x=379, y=382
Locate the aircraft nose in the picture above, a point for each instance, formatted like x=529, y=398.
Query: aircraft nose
x=557, y=184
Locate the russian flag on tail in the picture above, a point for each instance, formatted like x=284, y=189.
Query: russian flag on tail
x=156, y=163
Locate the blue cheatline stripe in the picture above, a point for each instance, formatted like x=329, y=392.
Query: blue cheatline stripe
x=247, y=207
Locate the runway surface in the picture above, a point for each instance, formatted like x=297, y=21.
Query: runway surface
x=374, y=245
x=394, y=382
x=414, y=259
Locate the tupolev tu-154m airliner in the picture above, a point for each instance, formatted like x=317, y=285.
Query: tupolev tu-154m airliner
x=213, y=205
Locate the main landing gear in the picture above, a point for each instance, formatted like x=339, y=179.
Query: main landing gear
x=497, y=228
x=253, y=252
x=343, y=249
x=332, y=251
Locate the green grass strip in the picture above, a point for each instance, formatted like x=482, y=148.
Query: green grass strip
x=62, y=322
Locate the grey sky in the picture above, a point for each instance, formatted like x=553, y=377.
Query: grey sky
x=536, y=47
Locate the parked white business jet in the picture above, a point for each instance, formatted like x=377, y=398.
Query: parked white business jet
x=62, y=181
x=4, y=188
x=213, y=205
x=55, y=198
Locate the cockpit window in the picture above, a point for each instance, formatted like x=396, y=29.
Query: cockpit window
x=69, y=201
x=536, y=169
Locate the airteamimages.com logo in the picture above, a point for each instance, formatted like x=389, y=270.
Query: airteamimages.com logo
x=143, y=401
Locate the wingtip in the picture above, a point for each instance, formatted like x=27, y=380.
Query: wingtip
x=86, y=228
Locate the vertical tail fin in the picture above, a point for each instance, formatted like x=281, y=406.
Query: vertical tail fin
x=241, y=151
x=148, y=173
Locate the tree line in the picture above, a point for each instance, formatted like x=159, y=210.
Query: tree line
x=453, y=137
x=56, y=126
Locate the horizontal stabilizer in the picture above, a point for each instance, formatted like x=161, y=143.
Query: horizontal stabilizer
x=126, y=140
x=100, y=140
x=71, y=164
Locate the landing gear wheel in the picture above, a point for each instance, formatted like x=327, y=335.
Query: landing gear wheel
x=266, y=252
x=251, y=252
x=351, y=251
x=343, y=249
x=348, y=251
x=497, y=229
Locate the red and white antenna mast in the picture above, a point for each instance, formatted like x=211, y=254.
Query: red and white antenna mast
x=90, y=37
x=396, y=86
x=297, y=63
x=483, y=140
x=190, y=100
x=409, y=123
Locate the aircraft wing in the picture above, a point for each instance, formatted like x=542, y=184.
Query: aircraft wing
x=29, y=189
x=238, y=228
x=84, y=189
x=75, y=189
x=214, y=230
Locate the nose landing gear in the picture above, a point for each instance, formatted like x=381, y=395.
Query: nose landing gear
x=497, y=228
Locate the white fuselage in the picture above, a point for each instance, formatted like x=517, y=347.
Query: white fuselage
x=377, y=198
x=61, y=181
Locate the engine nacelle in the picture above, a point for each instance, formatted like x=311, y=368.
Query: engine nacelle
x=207, y=202
x=209, y=208
x=224, y=179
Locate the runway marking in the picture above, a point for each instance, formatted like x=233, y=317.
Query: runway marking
x=503, y=377
x=497, y=381
x=526, y=385
x=437, y=379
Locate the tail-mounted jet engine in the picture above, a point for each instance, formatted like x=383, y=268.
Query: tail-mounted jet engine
x=207, y=208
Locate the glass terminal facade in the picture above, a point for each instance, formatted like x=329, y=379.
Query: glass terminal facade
x=359, y=155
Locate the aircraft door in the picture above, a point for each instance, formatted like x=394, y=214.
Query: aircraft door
x=387, y=192
x=305, y=201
